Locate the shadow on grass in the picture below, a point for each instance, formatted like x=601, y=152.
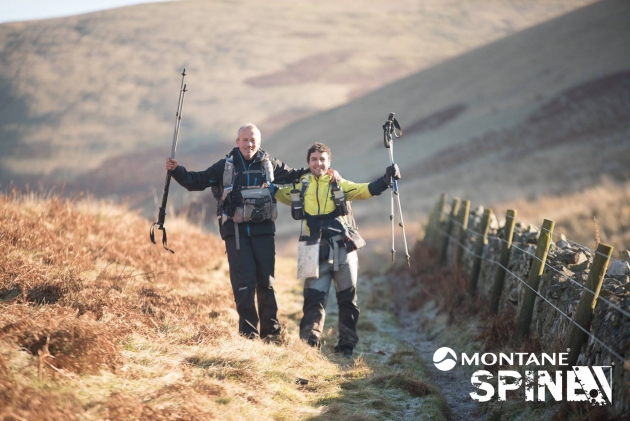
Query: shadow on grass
x=382, y=391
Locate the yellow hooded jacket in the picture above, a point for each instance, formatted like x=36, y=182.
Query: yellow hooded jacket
x=318, y=197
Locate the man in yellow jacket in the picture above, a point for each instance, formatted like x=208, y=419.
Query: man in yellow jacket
x=325, y=213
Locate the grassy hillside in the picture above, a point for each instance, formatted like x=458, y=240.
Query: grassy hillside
x=540, y=113
x=98, y=323
x=604, y=209
x=80, y=90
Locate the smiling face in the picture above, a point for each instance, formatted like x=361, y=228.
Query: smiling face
x=319, y=162
x=248, y=142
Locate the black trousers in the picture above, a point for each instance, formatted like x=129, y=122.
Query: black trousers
x=252, y=276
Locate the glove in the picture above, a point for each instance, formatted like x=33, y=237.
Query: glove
x=392, y=172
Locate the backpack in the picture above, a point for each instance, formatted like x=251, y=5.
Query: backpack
x=352, y=240
x=245, y=204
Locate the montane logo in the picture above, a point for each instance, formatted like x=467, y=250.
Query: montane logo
x=582, y=383
x=444, y=359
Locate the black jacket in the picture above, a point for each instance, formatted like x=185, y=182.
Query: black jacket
x=213, y=177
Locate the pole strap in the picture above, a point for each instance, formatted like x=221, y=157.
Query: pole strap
x=164, y=239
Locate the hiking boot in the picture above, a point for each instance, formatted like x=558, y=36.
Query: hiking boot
x=314, y=342
x=345, y=350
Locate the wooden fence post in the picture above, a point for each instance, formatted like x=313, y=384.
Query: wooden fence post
x=480, y=243
x=430, y=232
x=451, y=224
x=462, y=218
x=533, y=280
x=435, y=236
x=504, y=260
x=585, y=308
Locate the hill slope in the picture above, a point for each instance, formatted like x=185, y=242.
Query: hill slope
x=97, y=323
x=76, y=91
x=541, y=112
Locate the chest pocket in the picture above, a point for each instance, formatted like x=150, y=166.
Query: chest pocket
x=256, y=206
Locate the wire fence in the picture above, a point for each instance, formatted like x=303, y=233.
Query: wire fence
x=472, y=253
x=567, y=240
x=503, y=240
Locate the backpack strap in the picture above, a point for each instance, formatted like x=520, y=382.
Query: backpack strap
x=267, y=169
x=349, y=214
x=305, y=184
x=228, y=186
x=338, y=198
x=228, y=178
x=228, y=172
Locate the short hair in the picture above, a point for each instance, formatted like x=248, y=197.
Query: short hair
x=318, y=147
x=248, y=126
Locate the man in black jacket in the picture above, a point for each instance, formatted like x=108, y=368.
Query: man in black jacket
x=250, y=244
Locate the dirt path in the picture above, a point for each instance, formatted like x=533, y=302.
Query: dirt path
x=455, y=384
x=392, y=326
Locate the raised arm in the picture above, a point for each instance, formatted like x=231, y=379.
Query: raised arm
x=362, y=191
x=285, y=175
x=196, y=180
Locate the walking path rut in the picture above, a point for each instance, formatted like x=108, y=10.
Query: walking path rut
x=400, y=325
x=454, y=385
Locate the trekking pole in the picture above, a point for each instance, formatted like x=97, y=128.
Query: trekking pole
x=167, y=183
x=392, y=129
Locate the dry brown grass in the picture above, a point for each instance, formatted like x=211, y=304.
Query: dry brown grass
x=444, y=286
x=496, y=332
x=98, y=323
x=574, y=214
x=76, y=279
x=403, y=381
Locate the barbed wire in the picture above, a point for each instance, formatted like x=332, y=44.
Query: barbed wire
x=474, y=254
x=599, y=297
